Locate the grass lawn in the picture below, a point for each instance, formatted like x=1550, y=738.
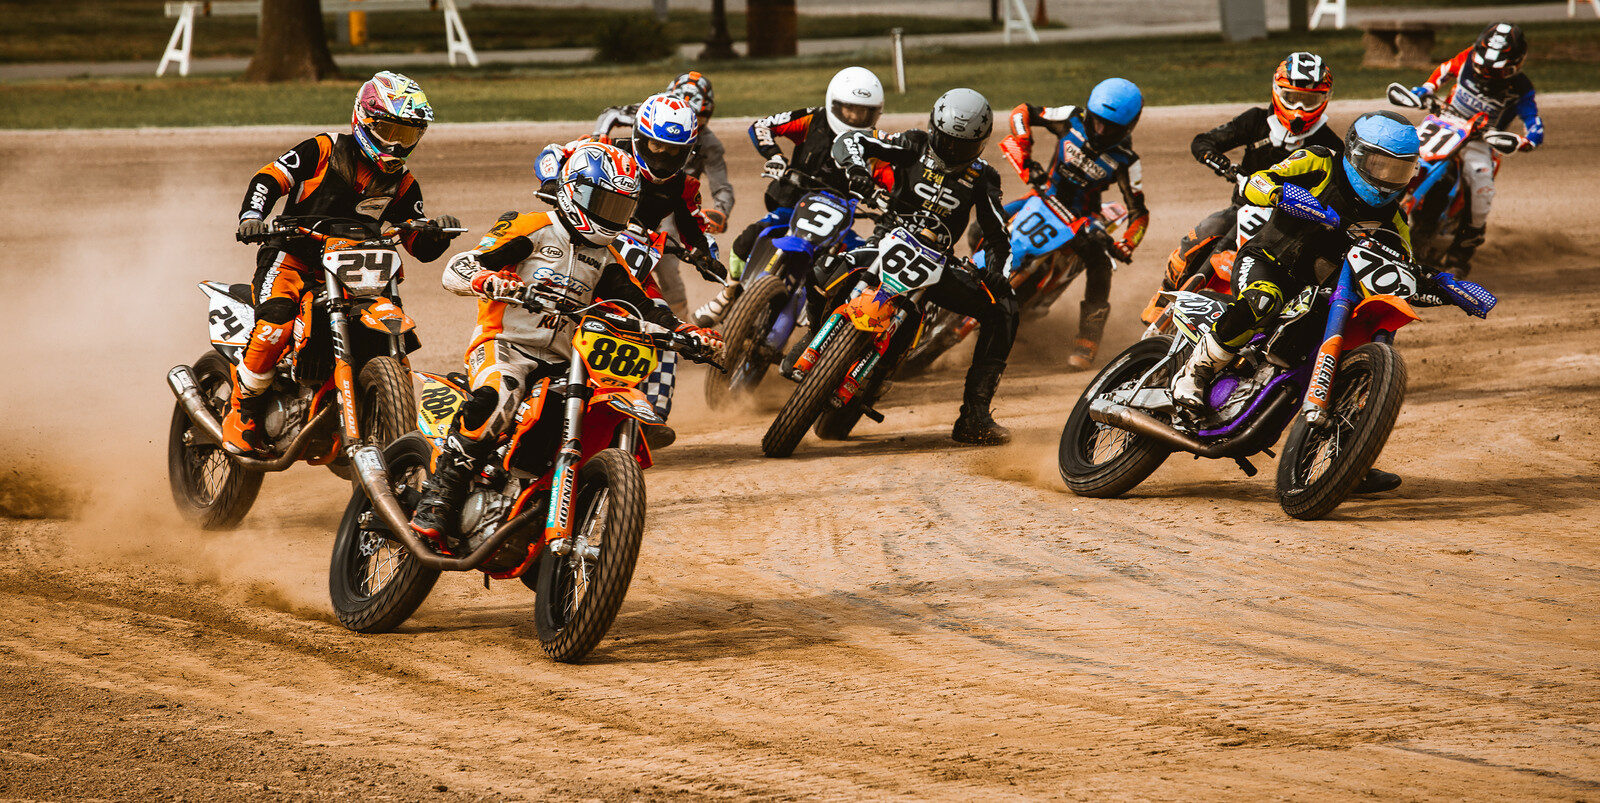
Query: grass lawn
x=1189, y=70
x=123, y=30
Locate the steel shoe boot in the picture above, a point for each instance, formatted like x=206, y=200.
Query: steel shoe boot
x=1194, y=378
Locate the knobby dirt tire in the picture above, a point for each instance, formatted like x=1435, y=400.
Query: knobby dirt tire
x=1369, y=427
x=1139, y=456
x=567, y=635
x=225, y=505
x=407, y=582
x=845, y=346
x=746, y=325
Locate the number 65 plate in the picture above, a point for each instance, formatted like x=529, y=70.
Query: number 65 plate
x=905, y=264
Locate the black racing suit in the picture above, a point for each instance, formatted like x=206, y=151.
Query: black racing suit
x=954, y=194
x=812, y=158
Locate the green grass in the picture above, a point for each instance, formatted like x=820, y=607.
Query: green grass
x=122, y=30
x=1189, y=70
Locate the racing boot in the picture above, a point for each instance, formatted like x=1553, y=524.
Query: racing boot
x=241, y=428
x=1458, y=259
x=1194, y=378
x=438, y=511
x=1377, y=482
x=1177, y=267
x=659, y=436
x=975, y=425
x=1091, y=326
x=710, y=313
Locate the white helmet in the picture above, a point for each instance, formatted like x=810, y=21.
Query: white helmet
x=855, y=99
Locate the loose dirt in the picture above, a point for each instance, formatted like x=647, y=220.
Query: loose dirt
x=890, y=617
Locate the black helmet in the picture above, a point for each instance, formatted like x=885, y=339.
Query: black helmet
x=1499, y=51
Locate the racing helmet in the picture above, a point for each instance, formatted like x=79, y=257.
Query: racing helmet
x=1114, y=108
x=1300, y=90
x=1499, y=51
x=1380, y=156
x=696, y=88
x=664, y=130
x=855, y=100
x=598, y=190
x=959, y=126
x=390, y=115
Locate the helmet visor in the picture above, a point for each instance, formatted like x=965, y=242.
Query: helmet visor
x=1384, y=170
x=663, y=158
x=395, y=135
x=1300, y=99
x=954, y=151
x=857, y=115
x=1104, y=133
x=604, y=206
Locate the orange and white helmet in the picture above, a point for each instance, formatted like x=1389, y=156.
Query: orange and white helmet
x=1300, y=90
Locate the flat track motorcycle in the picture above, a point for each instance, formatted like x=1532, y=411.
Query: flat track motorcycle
x=560, y=504
x=339, y=387
x=1438, y=200
x=1325, y=368
x=856, y=349
x=1212, y=261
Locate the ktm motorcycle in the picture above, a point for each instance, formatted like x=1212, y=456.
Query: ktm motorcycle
x=1041, y=233
x=1212, y=261
x=847, y=364
x=1325, y=368
x=344, y=383
x=768, y=310
x=1438, y=200
x=560, y=504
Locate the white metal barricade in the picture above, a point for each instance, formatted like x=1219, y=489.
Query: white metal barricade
x=1332, y=8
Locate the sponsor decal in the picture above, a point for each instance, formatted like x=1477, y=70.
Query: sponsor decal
x=289, y=161
x=626, y=183
x=550, y=251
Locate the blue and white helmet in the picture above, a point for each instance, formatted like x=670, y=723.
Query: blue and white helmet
x=598, y=192
x=1114, y=108
x=1380, y=156
x=664, y=131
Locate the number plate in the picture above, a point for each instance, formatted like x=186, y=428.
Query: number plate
x=438, y=405
x=1440, y=137
x=818, y=219
x=613, y=360
x=638, y=254
x=905, y=265
x=363, y=272
x=1250, y=220
x=1380, y=275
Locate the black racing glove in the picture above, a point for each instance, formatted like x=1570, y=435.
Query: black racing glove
x=449, y=222
x=1037, y=175
x=1220, y=165
x=548, y=187
x=251, y=228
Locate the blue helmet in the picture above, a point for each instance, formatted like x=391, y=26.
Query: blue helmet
x=1114, y=108
x=664, y=130
x=1380, y=156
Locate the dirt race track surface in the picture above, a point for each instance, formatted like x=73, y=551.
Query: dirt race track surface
x=891, y=617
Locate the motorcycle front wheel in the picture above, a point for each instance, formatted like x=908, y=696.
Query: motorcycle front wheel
x=374, y=582
x=747, y=324
x=209, y=488
x=579, y=593
x=1101, y=461
x=846, y=345
x=1321, y=466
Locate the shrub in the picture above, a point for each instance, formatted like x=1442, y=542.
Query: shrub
x=633, y=39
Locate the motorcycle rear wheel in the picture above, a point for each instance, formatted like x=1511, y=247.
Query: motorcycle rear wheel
x=373, y=581
x=1101, y=461
x=747, y=324
x=845, y=346
x=1320, y=467
x=208, y=487
x=577, y=597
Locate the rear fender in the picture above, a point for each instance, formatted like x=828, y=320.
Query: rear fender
x=230, y=320
x=793, y=245
x=1382, y=313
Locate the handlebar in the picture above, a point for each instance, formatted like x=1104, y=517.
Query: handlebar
x=286, y=227
x=538, y=300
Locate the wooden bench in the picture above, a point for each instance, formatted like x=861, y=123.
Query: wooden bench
x=455, y=33
x=1397, y=43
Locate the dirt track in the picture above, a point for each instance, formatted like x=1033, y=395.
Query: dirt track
x=890, y=617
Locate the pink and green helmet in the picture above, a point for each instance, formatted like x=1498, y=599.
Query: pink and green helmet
x=391, y=112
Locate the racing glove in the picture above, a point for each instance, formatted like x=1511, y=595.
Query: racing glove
x=250, y=228
x=1219, y=164
x=548, y=187
x=775, y=166
x=1422, y=91
x=714, y=221
x=709, y=267
x=492, y=285
x=860, y=180
x=1037, y=175
x=449, y=222
x=710, y=338
x=1121, y=251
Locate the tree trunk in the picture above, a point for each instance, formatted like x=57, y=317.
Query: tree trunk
x=770, y=28
x=720, y=44
x=292, y=45
x=1299, y=16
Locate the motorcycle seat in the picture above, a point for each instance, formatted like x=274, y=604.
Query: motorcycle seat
x=241, y=292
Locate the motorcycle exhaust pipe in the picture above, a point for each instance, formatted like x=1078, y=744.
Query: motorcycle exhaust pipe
x=1141, y=423
x=181, y=380
x=374, y=479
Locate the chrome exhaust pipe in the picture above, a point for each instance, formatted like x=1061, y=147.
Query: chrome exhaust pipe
x=374, y=479
x=1141, y=423
x=181, y=380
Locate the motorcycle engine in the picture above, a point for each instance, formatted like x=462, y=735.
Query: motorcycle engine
x=483, y=512
x=1246, y=390
x=286, y=414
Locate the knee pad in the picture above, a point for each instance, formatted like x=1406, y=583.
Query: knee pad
x=1259, y=301
x=277, y=310
x=478, y=407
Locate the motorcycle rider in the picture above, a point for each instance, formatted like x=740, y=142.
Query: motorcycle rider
x=939, y=171
x=361, y=174
x=568, y=251
x=1301, y=87
x=853, y=102
x=1489, y=80
x=707, y=163
x=1363, y=186
x=1094, y=149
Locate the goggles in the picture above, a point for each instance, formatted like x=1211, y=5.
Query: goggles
x=607, y=207
x=395, y=135
x=1383, y=169
x=1301, y=99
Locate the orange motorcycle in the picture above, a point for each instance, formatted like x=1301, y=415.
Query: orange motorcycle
x=560, y=505
x=339, y=387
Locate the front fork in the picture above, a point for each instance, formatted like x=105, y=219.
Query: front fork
x=563, y=479
x=1320, y=394
x=343, y=372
